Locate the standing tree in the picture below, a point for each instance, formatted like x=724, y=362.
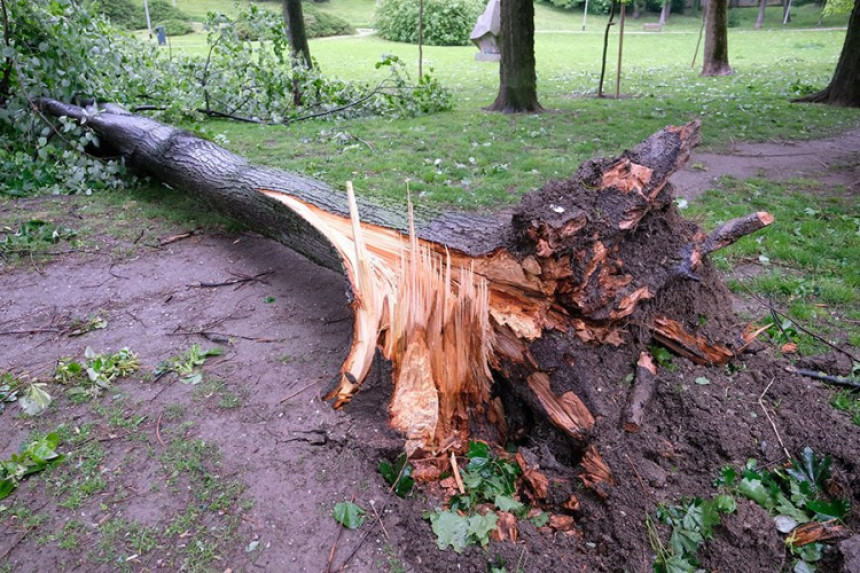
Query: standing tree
x=759, y=21
x=716, y=39
x=664, y=12
x=517, y=78
x=295, y=22
x=844, y=87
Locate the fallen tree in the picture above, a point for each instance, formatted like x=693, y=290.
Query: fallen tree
x=494, y=323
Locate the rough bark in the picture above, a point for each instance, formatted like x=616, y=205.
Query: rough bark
x=716, y=60
x=295, y=22
x=482, y=316
x=844, y=87
x=517, y=77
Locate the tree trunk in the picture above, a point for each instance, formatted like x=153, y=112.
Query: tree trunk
x=759, y=21
x=495, y=325
x=517, y=78
x=716, y=60
x=295, y=22
x=664, y=12
x=844, y=87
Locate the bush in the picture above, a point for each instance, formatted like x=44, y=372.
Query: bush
x=131, y=16
x=446, y=22
x=317, y=25
x=594, y=6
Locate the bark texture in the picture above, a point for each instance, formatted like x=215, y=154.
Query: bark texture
x=716, y=59
x=517, y=77
x=844, y=87
x=494, y=324
x=295, y=22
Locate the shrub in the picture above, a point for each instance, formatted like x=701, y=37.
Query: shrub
x=317, y=25
x=446, y=22
x=131, y=16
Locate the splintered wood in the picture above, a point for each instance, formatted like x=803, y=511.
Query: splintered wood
x=427, y=312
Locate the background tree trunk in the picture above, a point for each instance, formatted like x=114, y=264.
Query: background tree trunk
x=517, y=78
x=844, y=87
x=295, y=22
x=664, y=12
x=716, y=59
x=759, y=21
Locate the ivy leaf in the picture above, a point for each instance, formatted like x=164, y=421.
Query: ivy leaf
x=451, y=529
x=348, y=514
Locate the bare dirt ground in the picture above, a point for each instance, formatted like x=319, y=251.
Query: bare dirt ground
x=240, y=472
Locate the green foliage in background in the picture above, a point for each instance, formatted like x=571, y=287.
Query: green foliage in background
x=59, y=49
x=131, y=16
x=446, y=22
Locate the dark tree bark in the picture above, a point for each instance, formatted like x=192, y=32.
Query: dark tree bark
x=295, y=22
x=517, y=78
x=759, y=21
x=716, y=60
x=482, y=316
x=844, y=87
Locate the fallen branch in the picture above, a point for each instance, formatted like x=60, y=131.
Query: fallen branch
x=850, y=383
x=644, y=384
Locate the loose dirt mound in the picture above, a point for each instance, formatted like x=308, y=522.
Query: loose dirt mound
x=242, y=470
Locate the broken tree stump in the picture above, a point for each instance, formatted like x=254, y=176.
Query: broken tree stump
x=491, y=322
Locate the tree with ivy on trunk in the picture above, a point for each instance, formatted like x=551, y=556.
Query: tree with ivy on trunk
x=295, y=22
x=844, y=88
x=517, y=78
x=716, y=39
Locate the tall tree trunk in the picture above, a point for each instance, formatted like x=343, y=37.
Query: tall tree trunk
x=664, y=12
x=786, y=11
x=295, y=22
x=759, y=21
x=716, y=60
x=844, y=87
x=517, y=78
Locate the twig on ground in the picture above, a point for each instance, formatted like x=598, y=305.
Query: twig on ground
x=645, y=490
x=455, y=469
x=799, y=326
x=242, y=279
x=340, y=529
x=158, y=430
x=15, y=543
x=849, y=383
x=299, y=391
x=381, y=523
x=769, y=419
x=28, y=331
x=176, y=238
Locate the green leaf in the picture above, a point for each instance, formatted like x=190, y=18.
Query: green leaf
x=755, y=490
x=838, y=508
x=480, y=527
x=36, y=400
x=540, y=519
x=348, y=514
x=7, y=486
x=702, y=381
x=451, y=529
x=507, y=503
x=400, y=469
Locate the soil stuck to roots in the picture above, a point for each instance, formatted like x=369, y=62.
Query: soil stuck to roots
x=241, y=470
